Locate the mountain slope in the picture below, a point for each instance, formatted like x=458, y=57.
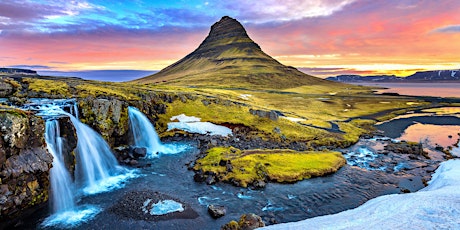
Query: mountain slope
x=229, y=58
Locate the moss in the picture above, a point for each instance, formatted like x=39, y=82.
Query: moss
x=239, y=115
x=106, y=90
x=52, y=87
x=273, y=165
x=13, y=83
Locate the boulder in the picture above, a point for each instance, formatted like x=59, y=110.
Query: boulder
x=272, y=115
x=216, y=211
x=248, y=221
x=139, y=152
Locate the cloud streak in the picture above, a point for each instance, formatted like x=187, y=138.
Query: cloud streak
x=448, y=29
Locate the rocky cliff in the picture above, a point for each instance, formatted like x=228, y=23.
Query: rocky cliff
x=24, y=163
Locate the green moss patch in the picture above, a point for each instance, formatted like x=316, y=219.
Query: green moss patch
x=48, y=86
x=285, y=166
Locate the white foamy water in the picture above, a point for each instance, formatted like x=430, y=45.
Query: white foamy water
x=144, y=135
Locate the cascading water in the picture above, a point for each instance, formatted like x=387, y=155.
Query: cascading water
x=97, y=170
x=144, y=135
x=61, y=182
x=95, y=161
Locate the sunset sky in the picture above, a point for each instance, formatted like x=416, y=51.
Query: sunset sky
x=320, y=37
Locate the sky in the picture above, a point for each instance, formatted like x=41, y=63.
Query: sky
x=320, y=37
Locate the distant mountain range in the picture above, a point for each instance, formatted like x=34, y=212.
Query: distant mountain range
x=424, y=76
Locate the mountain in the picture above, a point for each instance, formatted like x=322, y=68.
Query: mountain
x=438, y=75
x=423, y=76
x=359, y=78
x=228, y=57
x=14, y=71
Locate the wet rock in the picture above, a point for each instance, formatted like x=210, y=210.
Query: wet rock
x=216, y=211
x=133, y=162
x=199, y=176
x=139, y=152
x=259, y=184
x=211, y=179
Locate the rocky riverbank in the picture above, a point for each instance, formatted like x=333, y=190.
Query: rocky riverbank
x=24, y=163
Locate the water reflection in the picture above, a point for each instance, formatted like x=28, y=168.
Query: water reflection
x=443, y=135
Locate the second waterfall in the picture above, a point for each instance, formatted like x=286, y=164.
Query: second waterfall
x=144, y=135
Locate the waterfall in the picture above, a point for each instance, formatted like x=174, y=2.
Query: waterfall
x=95, y=161
x=96, y=171
x=62, y=196
x=144, y=135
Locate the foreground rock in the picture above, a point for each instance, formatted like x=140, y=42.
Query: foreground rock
x=216, y=211
x=24, y=163
x=247, y=222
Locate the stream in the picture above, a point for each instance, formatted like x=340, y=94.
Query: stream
x=370, y=172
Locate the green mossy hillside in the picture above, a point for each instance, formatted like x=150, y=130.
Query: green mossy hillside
x=280, y=165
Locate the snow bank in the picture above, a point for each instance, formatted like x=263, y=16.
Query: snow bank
x=435, y=207
x=194, y=125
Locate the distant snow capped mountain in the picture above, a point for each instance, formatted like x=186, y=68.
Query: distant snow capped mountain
x=423, y=76
x=438, y=75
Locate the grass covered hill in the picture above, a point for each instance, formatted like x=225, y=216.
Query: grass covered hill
x=229, y=58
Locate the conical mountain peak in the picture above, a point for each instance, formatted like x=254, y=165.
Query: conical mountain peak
x=227, y=27
x=228, y=57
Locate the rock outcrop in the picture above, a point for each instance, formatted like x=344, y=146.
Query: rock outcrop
x=24, y=163
x=248, y=221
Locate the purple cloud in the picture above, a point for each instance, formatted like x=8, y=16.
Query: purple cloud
x=448, y=29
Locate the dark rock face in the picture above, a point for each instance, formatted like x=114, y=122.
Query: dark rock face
x=216, y=211
x=6, y=89
x=108, y=116
x=24, y=163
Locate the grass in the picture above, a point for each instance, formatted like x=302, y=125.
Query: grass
x=284, y=166
x=106, y=89
x=51, y=87
x=225, y=112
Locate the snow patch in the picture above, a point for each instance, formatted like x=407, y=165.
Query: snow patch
x=245, y=96
x=293, y=119
x=185, y=118
x=434, y=207
x=194, y=125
